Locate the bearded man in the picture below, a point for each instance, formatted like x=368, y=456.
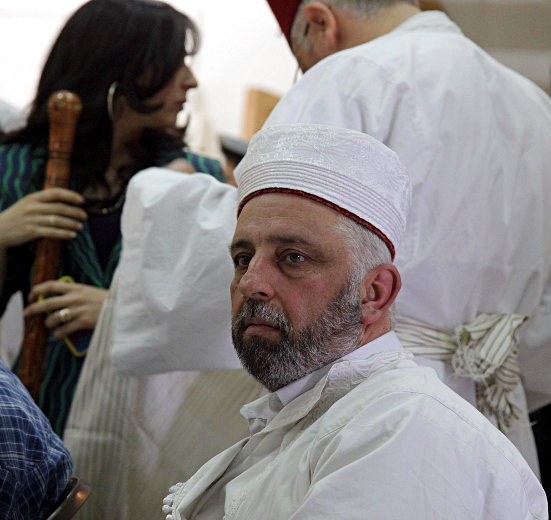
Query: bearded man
x=352, y=427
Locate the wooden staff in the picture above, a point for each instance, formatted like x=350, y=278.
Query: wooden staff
x=64, y=110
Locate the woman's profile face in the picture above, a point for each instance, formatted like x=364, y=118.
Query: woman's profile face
x=172, y=97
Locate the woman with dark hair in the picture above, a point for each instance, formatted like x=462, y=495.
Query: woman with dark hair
x=126, y=61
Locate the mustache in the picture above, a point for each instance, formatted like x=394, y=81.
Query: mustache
x=299, y=351
x=262, y=310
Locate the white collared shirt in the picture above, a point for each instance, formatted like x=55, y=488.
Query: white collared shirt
x=282, y=397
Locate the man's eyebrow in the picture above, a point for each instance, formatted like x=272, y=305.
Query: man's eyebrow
x=288, y=240
x=274, y=240
x=240, y=244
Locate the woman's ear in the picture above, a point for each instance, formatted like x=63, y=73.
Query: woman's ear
x=378, y=291
x=323, y=30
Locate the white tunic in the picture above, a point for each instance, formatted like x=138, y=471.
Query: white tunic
x=474, y=136
x=375, y=438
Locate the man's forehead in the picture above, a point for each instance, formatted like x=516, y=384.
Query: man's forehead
x=287, y=205
x=286, y=218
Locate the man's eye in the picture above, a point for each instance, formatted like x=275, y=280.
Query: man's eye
x=295, y=258
x=241, y=261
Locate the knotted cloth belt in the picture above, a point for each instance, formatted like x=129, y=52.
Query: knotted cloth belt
x=484, y=350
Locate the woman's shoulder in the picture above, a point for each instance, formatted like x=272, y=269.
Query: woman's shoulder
x=200, y=163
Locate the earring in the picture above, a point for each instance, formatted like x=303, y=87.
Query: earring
x=110, y=96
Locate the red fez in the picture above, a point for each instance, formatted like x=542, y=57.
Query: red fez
x=285, y=12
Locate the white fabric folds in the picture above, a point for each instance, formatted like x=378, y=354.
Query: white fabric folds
x=174, y=312
x=376, y=438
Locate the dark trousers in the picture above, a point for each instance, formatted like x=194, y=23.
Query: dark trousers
x=542, y=432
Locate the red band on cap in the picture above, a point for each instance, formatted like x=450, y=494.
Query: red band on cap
x=285, y=12
x=332, y=205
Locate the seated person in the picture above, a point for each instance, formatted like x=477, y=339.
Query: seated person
x=34, y=465
x=353, y=427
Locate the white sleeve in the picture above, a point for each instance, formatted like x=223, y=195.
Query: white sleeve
x=172, y=310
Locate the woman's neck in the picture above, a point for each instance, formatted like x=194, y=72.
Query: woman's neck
x=124, y=134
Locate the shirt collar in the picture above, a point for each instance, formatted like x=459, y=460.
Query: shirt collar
x=384, y=343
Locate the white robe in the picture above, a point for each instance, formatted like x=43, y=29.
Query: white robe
x=474, y=136
x=374, y=438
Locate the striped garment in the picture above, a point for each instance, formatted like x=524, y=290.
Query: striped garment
x=484, y=350
x=204, y=164
x=35, y=466
x=21, y=172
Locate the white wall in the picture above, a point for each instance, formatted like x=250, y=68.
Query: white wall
x=242, y=47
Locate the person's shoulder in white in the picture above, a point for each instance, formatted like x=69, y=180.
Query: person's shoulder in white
x=427, y=439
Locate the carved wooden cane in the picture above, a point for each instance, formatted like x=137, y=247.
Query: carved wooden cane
x=64, y=110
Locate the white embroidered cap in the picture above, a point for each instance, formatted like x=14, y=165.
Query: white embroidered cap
x=348, y=171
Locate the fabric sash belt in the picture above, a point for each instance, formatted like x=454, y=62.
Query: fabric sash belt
x=484, y=350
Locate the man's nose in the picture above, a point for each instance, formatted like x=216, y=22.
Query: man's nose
x=257, y=282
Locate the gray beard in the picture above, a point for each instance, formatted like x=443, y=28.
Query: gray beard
x=300, y=352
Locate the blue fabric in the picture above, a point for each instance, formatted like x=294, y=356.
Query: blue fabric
x=35, y=466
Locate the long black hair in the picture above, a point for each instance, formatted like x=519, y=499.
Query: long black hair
x=103, y=42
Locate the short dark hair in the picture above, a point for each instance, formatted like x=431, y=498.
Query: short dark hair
x=102, y=42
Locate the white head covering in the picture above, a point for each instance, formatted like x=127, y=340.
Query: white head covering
x=346, y=170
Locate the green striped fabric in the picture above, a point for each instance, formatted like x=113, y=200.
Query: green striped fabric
x=21, y=172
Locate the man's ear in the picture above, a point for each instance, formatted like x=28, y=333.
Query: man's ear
x=378, y=291
x=323, y=25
